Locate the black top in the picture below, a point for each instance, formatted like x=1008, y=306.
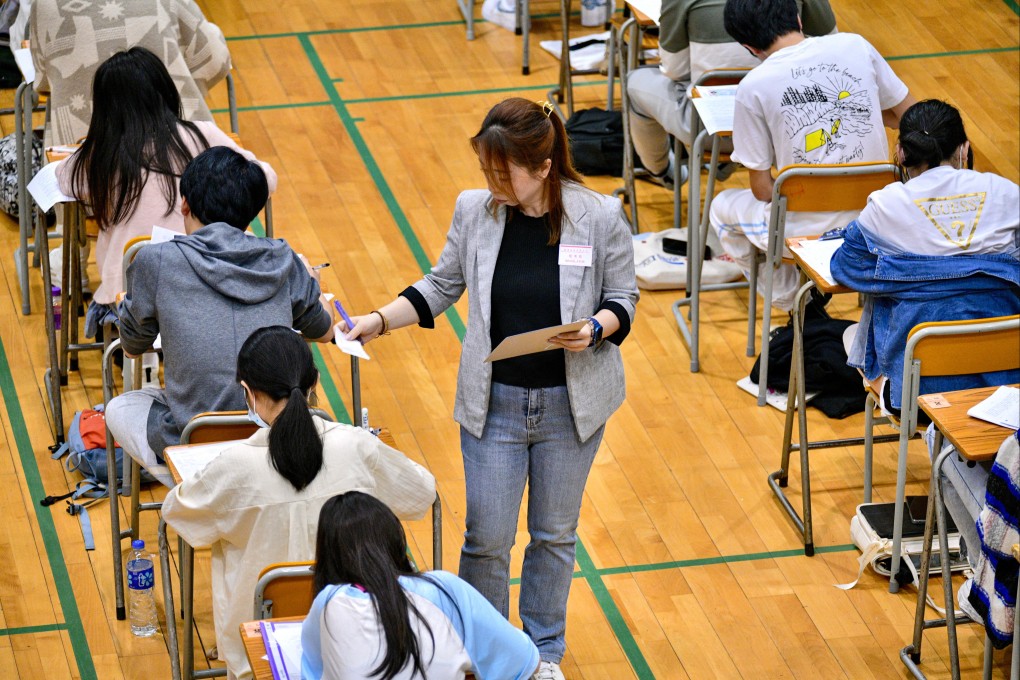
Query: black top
x=525, y=297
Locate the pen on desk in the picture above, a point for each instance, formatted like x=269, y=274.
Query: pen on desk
x=320, y=266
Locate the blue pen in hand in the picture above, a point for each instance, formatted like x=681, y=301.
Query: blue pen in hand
x=343, y=315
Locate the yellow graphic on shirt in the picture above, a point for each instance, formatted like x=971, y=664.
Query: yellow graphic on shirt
x=956, y=217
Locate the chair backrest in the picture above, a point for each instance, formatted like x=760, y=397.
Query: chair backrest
x=947, y=348
x=829, y=188
x=218, y=426
x=284, y=589
x=722, y=76
x=131, y=249
x=223, y=426
x=963, y=347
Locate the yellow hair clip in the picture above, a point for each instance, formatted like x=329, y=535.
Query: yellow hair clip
x=546, y=106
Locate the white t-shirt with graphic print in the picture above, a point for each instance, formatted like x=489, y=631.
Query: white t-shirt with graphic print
x=945, y=211
x=819, y=101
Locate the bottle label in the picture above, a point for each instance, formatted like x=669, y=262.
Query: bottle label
x=141, y=580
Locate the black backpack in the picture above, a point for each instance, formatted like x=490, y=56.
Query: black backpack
x=596, y=142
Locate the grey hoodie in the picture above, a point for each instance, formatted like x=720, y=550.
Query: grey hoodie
x=205, y=294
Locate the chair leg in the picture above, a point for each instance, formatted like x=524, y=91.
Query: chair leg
x=901, y=483
x=986, y=666
x=437, y=533
x=947, y=574
x=168, y=604
x=766, y=321
x=752, y=306
x=136, y=490
x=869, y=444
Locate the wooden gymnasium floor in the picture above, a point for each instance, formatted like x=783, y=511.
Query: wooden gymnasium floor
x=686, y=566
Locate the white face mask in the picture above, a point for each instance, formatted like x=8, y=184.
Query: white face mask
x=253, y=416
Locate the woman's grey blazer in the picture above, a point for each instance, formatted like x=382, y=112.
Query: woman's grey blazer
x=595, y=381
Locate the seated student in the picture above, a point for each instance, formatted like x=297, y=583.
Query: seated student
x=944, y=245
x=812, y=100
x=258, y=502
x=70, y=40
x=692, y=40
x=128, y=168
x=375, y=617
x=205, y=293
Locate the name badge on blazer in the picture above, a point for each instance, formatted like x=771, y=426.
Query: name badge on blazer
x=575, y=256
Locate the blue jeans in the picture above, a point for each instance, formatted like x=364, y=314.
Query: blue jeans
x=529, y=437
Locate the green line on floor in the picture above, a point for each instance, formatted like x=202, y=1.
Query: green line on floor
x=463, y=93
x=721, y=559
x=270, y=107
x=1013, y=5
x=612, y=613
x=47, y=529
x=29, y=630
x=960, y=53
x=376, y=173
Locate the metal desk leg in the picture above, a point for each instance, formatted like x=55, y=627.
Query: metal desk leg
x=52, y=378
x=187, y=559
x=947, y=574
x=168, y=603
x=524, y=24
x=629, y=28
x=467, y=10
x=23, y=153
x=437, y=533
x=911, y=654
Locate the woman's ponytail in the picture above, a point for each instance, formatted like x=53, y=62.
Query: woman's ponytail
x=295, y=447
x=931, y=131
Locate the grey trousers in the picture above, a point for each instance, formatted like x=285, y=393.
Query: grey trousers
x=127, y=416
x=659, y=107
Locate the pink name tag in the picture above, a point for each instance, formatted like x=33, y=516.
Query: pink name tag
x=575, y=256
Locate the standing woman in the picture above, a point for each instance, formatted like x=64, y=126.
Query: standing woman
x=128, y=169
x=536, y=249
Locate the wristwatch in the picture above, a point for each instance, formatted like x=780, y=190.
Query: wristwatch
x=596, y=332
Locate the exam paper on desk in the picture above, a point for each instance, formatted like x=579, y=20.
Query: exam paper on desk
x=45, y=188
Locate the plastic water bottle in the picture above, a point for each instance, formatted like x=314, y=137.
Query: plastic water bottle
x=141, y=579
x=593, y=12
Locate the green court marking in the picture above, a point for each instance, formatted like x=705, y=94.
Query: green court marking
x=960, y=53
x=329, y=387
x=270, y=107
x=28, y=630
x=54, y=554
x=1012, y=4
x=463, y=93
x=722, y=559
x=612, y=613
x=392, y=27
x=373, y=170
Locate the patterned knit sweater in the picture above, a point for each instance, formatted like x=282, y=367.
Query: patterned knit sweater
x=71, y=38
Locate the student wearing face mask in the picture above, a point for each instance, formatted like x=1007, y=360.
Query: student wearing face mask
x=943, y=245
x=258, y=502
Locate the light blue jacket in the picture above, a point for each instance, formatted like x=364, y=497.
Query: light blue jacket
x=497, y=650
x=905, y=290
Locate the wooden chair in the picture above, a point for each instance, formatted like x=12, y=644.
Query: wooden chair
x=284, y=589
x=805, y=188
x=943, y=348
x=697, y=217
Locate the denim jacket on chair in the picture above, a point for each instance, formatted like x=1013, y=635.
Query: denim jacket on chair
x=904, y=290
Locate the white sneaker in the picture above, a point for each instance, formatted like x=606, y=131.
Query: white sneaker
x=547, y=670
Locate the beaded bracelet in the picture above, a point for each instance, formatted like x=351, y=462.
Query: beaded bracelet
x=385, y=322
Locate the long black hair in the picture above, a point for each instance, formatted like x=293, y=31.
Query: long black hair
x=135, y=132
x=277, y=362
x=931, y=131
x=360, y=541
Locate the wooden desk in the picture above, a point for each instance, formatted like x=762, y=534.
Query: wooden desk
x=255, y=649
x=810, y=278
x=973, y=438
